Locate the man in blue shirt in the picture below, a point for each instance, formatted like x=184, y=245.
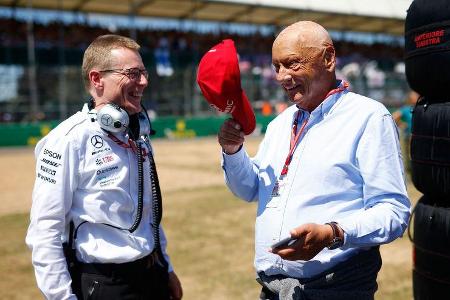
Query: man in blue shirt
x=328, y=174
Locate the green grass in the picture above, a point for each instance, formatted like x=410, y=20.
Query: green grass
x=15, y=265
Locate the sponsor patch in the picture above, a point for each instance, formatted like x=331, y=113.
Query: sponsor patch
x=101, y=150
x=45, y=178
x=107, y=170
x=50, y=162
x=48, y=170
x=52, y=154
x=108, y=181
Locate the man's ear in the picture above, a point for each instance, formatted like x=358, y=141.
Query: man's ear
x=330, y=58
x=96, y=79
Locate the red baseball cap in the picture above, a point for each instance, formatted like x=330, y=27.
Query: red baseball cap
x=220, y=82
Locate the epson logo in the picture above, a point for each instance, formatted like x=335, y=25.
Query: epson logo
x=52, y=154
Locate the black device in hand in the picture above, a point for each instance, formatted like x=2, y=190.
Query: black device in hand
x=286, y=242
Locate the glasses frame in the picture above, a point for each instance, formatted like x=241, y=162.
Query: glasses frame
x=130, y=73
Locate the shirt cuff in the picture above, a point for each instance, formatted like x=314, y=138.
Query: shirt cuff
x=350, y=232
x=234, y=159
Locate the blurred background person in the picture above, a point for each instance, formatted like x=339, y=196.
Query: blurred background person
x=403, y=119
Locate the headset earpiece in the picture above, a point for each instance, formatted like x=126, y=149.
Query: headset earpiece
x=113, y=118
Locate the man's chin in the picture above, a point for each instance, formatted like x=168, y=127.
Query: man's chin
x=133, y=109
x=296, y=100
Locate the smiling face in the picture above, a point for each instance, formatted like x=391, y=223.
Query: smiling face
x=113, y=72
x=304, y=61
x=119, y=88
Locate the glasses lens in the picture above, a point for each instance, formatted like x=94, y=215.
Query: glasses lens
x=135, y=73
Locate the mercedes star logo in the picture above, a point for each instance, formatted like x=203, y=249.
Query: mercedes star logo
x=106, y=120
x=97, y=141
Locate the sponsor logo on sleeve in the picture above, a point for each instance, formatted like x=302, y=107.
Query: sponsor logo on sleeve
x=50, y=162
x=52, y=154
x=46, y=178
x=48, y=170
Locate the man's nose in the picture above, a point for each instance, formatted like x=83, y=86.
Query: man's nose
x=143, y=80
x=283, y=75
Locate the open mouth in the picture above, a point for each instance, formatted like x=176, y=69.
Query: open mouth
x=291, y=89
x=135, y=94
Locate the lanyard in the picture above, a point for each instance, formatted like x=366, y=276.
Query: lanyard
x=296, y=135
x=294, y=141
x=131, y=144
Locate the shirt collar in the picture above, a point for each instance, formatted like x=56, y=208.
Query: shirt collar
x=327, y=105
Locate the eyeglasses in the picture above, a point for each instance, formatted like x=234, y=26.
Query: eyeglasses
x=132, y=73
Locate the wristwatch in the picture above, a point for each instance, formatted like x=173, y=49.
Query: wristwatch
x=337, y=241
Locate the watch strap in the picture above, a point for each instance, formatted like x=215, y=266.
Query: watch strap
x=337, y=241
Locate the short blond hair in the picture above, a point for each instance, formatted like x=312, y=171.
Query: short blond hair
x=98, y=54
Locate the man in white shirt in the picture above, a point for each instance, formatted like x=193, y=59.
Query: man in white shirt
x=328, y=175
x=97, y=190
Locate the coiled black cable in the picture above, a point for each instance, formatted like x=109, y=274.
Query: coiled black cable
x=157, y=201
x=140, y=204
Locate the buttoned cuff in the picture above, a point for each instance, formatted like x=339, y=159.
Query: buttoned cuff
x=233, y=160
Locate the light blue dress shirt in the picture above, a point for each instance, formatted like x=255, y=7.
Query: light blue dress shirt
x=347, y=168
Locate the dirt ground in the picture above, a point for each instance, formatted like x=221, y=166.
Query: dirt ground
x=184, y=164
x=17, y=180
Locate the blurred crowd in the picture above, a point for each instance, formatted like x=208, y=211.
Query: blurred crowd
x=373, y=69
x=14, y=33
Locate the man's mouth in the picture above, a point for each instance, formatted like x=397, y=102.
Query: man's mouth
x=292, y=88
x=135, y=94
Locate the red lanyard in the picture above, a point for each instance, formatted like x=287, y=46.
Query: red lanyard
x=131, y=144
x=294, y=141
x=296, y=135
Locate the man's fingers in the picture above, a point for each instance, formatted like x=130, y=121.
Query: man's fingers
x=285, y=253
x=230, y=136
x=300, y=232
x=231, y=128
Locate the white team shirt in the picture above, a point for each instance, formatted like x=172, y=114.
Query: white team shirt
x=83, y=175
